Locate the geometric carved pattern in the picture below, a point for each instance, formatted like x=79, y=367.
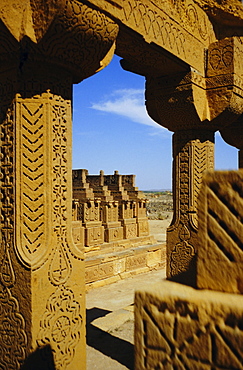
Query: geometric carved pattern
x=221, y=232
x=60, y=268
x=172, y=25
x=31, y=178
x=61, y=326
x=13, y=339
x=203, y=160
x=225, y=216
x=33, y=120
x=180, y=328
x=59, y=116
x=7, y=200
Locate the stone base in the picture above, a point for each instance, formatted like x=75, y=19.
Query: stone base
x=178, y=327
x=109, y=267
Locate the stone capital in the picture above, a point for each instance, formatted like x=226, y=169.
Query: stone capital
x=191, y=100
x=66, y=34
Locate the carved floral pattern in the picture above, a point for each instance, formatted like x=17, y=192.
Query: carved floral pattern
x=61, y=326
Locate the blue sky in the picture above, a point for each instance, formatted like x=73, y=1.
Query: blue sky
x=112, y=131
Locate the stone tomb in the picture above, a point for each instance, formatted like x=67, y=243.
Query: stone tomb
x=109, y=220
x=179, y=327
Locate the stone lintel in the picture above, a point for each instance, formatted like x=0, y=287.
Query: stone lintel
x=168, y=26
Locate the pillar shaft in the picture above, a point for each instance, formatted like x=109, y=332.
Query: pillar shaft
x=42, y=271
x=193, y=153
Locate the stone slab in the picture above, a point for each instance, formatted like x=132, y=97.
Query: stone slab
x=178, y=327
x=113, y=320
x=220, y=251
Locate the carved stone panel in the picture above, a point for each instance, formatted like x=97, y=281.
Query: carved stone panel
x=178, y=327
x=220, y=251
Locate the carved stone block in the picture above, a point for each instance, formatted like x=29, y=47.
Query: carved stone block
x=154, y=258
x=178, y=327
x=94, y=235
x=143, y=227
x=220, y=252
x=113, y=234
x=129, y=229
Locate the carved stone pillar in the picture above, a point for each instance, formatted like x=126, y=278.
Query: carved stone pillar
x=194, y=105
x=179, y=103
x=193, y=153
x=42, y=305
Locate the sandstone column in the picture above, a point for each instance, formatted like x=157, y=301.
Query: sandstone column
x=193, y=153
x=42, y=306
x=194, y=105
x=173, y=102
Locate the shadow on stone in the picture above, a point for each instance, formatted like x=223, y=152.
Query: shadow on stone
x=111, y=346
x=187, y=277
x=41, y=358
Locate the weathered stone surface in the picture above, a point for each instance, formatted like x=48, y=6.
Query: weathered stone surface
x=78, y=234
x=180, y=327
x=220, y=254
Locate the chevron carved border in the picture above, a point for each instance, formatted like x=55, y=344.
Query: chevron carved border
x=32, y=172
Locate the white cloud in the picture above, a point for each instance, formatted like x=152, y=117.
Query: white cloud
x=128, y=103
